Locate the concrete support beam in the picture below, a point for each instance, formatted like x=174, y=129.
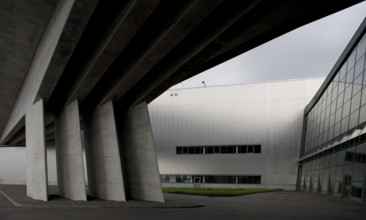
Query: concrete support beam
x=105, y=180
x=69, y=153
x=117, y=36
x=37, y=70
x=36, y=153
x=140, y=158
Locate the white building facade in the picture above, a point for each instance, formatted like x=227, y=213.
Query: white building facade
x=231, y=136
x=227, y=136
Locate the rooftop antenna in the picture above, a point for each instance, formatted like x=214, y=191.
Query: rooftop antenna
x=203, y=82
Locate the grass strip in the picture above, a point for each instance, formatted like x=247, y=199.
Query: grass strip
x=224, y=192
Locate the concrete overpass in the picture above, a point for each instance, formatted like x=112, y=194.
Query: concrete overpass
x=81, y=72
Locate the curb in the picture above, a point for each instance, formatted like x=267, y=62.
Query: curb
x=22, y=205
x=16, y=204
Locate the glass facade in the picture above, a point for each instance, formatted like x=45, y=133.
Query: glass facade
x=342, y=106
x=333, y=153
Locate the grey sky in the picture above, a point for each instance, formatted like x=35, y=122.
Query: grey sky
x=309, y=51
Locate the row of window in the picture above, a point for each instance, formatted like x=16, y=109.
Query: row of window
x=347, y=144
x=340, y=173
x=238, y=149
x=355, y=157
x=256, y=179
x=344, y=189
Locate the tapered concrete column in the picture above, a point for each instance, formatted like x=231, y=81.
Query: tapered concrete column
x=141, y=163
x=105, y=179
x=36, y=152
x=69, y=154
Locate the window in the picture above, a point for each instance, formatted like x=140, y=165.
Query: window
x=353, y=119
x=343, y=71
x=257, y=149
x=357, y=83
x=351, y=60
x=339, y=188
x=349, y=77
x=220, y=179
x=164, y=179
x=362, y=138
x=359, y=67
x=225, y=149
x=254, y=179
x=233, y=179
x=362, y=114
x=348, y=93
x=242, y=149
x=230, y=149
x=209, y=150
x=361, y=49
x=355, y=157
x=198, y=150
x=346, y=109
x=217, y=150
x=355, y=102
x=356, y=192
x=250, y=149
x=183, y=179
x=349, y=156
x=249, y=179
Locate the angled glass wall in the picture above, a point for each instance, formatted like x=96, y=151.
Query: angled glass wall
x=333, y=154
x=342, y=105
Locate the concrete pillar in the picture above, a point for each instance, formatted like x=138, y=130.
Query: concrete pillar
x=105, y=180
x=36, y=152
x=140, y=158
x=69, y=153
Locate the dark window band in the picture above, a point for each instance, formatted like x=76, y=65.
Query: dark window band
x=223, y=149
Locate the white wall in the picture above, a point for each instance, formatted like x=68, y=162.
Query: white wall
x=13, y=165
x=269, y=114
x=12, y=168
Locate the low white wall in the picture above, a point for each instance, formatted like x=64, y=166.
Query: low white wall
x=13, y=166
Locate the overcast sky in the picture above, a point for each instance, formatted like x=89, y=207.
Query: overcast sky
x=309, y=51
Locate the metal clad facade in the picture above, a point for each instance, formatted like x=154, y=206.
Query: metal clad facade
x=269, y=114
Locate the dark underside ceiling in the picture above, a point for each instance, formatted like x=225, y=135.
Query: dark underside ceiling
x=22, y=23
x=134, y=51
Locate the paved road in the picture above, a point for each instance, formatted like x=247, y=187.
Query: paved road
x=277, y=205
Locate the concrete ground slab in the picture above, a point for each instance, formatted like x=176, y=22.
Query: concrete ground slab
x=272, y=206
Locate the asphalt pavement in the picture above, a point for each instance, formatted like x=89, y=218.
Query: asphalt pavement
x=276, y=205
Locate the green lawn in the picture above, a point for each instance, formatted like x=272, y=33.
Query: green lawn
x=217, y=191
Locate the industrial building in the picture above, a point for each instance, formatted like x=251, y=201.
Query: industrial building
x=333, y=150
x=231, y=136
x=77, y=77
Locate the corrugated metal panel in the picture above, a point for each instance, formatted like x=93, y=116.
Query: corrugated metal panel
x=269, y=114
